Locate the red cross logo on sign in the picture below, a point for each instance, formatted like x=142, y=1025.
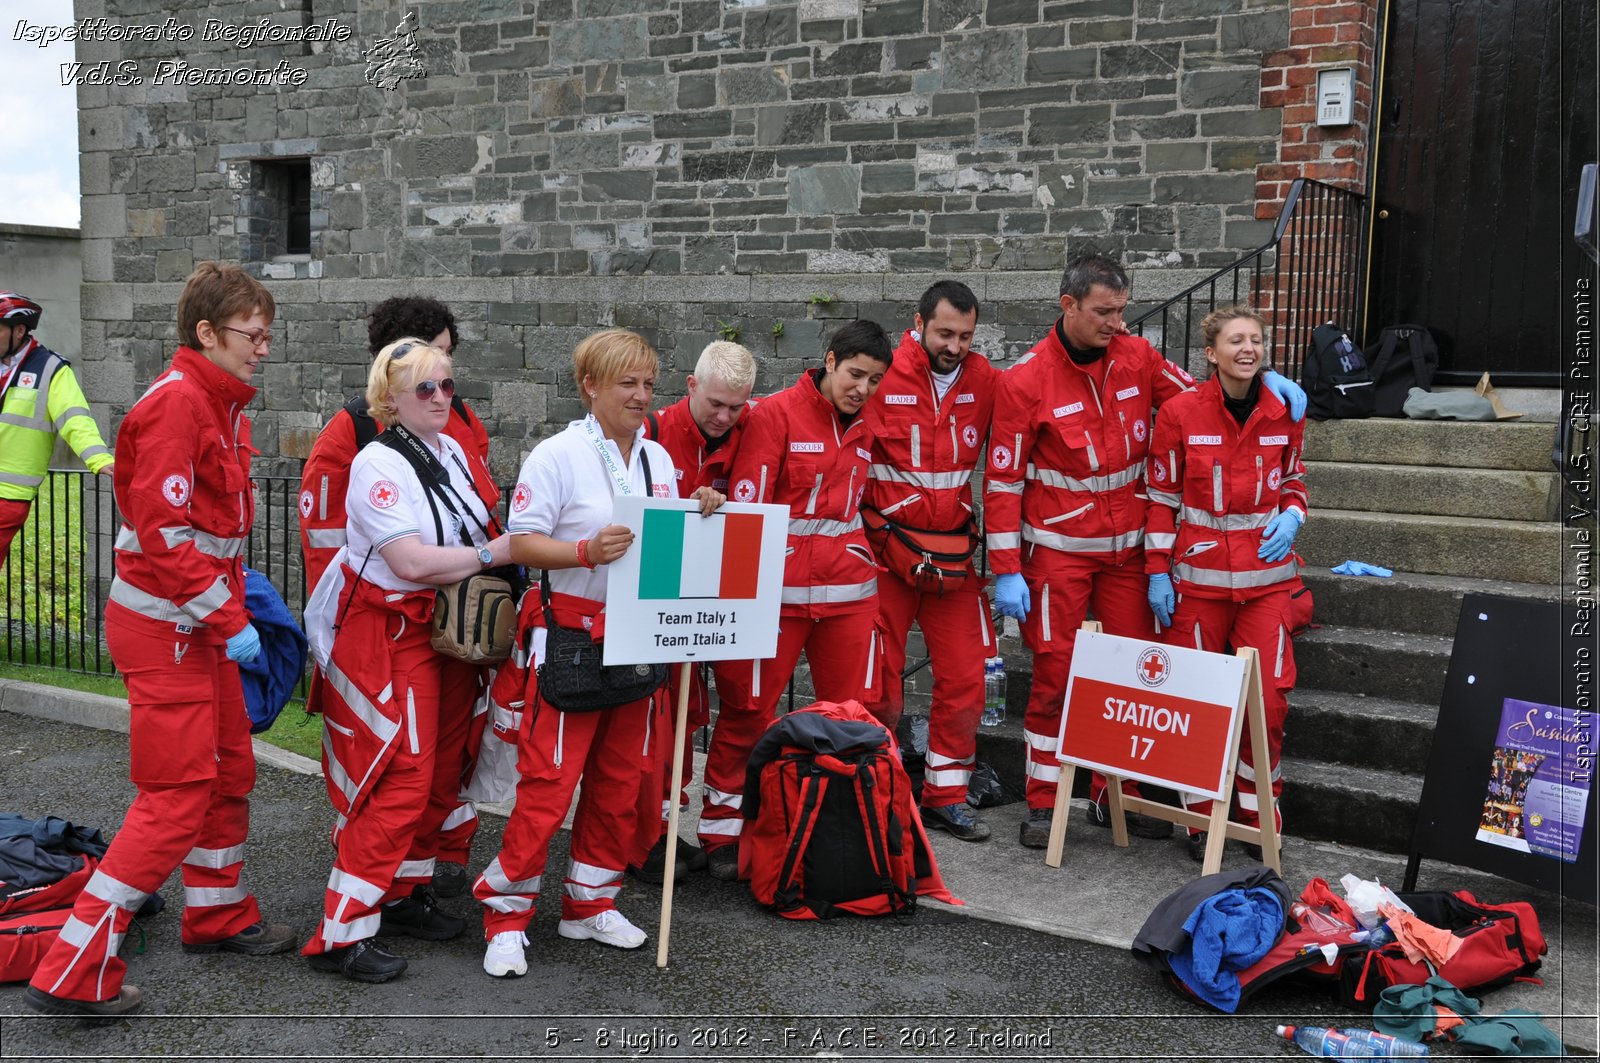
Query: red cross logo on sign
x=383, y=494
x=1154, y=667
x=175, y=489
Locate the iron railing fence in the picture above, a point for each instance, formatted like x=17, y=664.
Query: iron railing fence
x=1308, y=272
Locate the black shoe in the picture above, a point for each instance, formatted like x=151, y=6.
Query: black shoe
x=1197, y=847
x=654, y=869
x=449, y=879
x=956, y=819
x=365, y=961
x=1252, y=850
x=1139, y=825
x=1035, y=833
x=723, y=862
x=94, y=1012
x=262, y=939
x=419, y=916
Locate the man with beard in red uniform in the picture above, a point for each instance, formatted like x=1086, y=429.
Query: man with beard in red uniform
x=1065, y=514
x=701, y=433
x=930, y=419
x=807, y=447
x=176, y=626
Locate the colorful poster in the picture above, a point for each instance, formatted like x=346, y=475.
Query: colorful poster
x=1537, y=796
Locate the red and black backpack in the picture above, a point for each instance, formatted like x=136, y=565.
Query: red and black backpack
x=31, y=918
x=1500, y=944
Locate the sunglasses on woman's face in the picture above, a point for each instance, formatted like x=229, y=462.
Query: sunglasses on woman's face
x=426, y=389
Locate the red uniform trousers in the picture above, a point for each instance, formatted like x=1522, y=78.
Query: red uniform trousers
x=608, y=750
x=1263, y=624
x=13, y=515
x=388, y=847
x=956, y=630
x=450, y=822
x=655, y=789
x=1063, y=587
x=190, y=758
x=843, y=653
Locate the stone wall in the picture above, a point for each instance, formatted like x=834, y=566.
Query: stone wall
x=690, y=168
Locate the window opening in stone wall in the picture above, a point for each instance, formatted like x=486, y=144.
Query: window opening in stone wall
x=278, y=209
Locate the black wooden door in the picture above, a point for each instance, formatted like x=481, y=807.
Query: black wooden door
x=1487, y=117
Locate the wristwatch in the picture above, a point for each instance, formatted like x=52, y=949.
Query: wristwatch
x=485, y=557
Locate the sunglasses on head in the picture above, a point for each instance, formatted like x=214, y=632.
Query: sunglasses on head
x=426, y=389
x=256, y=336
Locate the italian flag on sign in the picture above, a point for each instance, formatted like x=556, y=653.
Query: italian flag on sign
x=690, y=556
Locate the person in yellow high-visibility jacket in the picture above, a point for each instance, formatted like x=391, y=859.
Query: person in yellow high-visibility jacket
x=39, y=400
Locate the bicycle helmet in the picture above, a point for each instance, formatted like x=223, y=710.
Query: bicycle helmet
x=19, y=310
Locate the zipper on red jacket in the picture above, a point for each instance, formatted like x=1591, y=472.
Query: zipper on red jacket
x=1216, y=487
x=1258, y=479
x=1127, y=440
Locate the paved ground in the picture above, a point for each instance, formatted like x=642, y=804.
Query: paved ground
x=1035, y=966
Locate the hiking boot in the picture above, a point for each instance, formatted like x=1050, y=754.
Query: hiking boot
x=654, y=869
x=610, y=927
x=365, y=961
x=419, y=916
x=449, y=879
x=93, y=1012
x=723, y=862
x=1196, y=843
x=262, y=939
x=1139, y=825
x=1035, y=833
x=504, y=957
x=957, y=819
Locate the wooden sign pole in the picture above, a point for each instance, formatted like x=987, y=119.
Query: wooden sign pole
x=1217, y=825
x=679, y=726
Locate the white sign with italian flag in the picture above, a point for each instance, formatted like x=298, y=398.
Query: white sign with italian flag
x=695, y=588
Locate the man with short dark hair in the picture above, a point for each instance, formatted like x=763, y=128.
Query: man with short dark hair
x=1066, y=509
x=930, y=419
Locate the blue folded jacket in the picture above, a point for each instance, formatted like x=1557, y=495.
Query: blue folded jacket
x=1228, y=932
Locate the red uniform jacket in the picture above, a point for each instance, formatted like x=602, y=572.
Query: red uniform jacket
x=327, y=474
x=1215, y=486
x=1066, y=454
x=674, y=428
x=924, y=451
x=795, y=451
x=182, y=482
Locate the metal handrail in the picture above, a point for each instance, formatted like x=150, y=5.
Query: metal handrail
x=1308, y=272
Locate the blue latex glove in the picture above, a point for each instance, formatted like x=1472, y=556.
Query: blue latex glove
x=1279, y=536
x=245, y=646
x=1011, y=596
x=1163, y=600
x=1291, y=394
x=1361, y=568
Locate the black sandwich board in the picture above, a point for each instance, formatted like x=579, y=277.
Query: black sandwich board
x=1510, y=784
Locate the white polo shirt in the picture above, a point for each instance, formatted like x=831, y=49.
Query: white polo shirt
x=565, y=491
x=386, y=501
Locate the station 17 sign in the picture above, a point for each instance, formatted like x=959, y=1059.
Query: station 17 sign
x=1161, y=714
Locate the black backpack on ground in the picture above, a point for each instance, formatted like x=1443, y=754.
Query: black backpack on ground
x=1404, y=357
x=1335, y=375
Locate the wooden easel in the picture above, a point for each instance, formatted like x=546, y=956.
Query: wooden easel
x=1218, y=826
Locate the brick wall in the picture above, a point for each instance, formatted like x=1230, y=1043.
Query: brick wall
x=688, y=168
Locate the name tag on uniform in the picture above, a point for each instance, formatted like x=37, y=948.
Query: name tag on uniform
x=678, y=473
x=1274, y=441
x=866, y=455
x=1062, y=411
x=900, y=400
x=805, y=448
x=1205, y=441
x=966, y=396
x=1128, y=393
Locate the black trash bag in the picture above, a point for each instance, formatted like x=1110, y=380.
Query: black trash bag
x=985, y=790
x=912, y=735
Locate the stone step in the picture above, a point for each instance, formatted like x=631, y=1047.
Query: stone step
x=1521, y=551
x=1504, y=494
x=1386, y=664
x=1451, y=444
x=1356, y=805
x=1372, y=732
x=1409, y=601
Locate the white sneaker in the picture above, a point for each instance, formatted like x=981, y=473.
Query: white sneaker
x=503, y=958
x=610, y=927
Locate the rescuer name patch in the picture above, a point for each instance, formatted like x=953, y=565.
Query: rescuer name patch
x=1062, y=411
x=805, y=448
x=1205, y=441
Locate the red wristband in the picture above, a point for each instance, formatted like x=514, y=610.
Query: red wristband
x=583, y=554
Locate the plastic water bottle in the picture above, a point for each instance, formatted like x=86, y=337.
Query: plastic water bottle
x=994, y=692
x=1351, y=1043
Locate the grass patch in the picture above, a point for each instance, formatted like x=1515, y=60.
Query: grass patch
x=294, y=729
